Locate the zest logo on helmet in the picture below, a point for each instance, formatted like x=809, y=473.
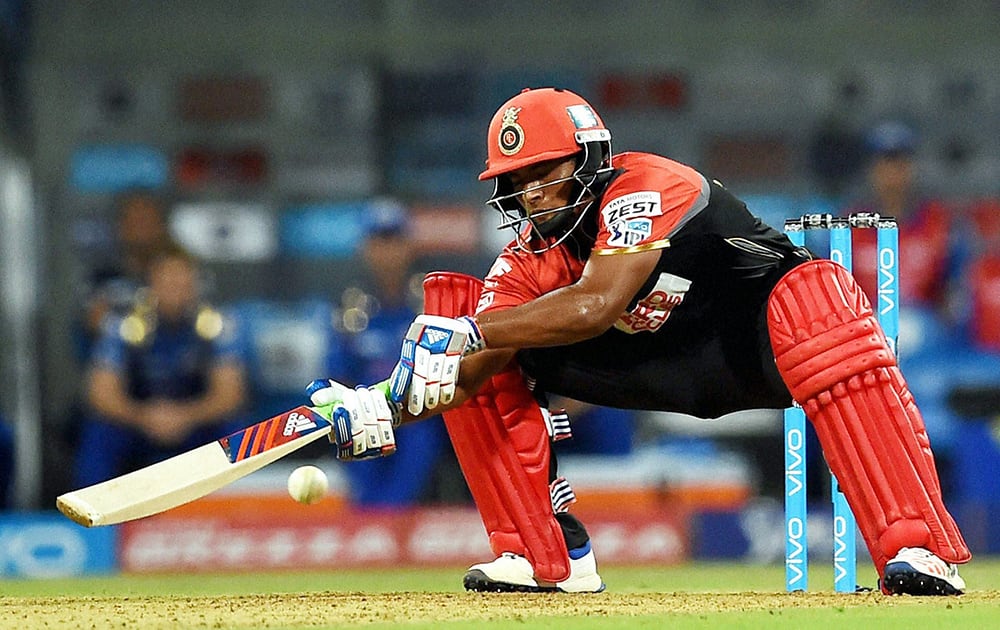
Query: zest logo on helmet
x=582, y=116
x=511, y=137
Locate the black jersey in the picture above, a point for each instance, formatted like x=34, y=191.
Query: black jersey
x=694, y=339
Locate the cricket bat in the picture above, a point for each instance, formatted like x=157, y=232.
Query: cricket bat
x=191, y=475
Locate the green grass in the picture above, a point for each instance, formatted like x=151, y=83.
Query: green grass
x=981, y=608
x=982, y=574
x=981, y=616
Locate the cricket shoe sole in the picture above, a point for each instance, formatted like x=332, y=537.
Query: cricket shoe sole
x=917, y=571
x=511, y=573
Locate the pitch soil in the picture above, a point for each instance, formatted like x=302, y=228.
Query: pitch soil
x=307, y=610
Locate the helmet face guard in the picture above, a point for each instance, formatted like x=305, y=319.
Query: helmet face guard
x=537, y=126
x=546, y=229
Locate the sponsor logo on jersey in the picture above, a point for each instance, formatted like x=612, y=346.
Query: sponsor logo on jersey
x=627, y=217
x=645, y=203
x=499, y=268
x=652, y=311
x=485, y=301
x=629, y=233
x=582, y=116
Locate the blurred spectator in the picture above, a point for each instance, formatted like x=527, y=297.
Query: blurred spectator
x=7, y=451
x=930, y=260
x=140, y=230
x=376, y=316
x=165, y=378
x=596, y=430
x=835, y=155
x=983, y=277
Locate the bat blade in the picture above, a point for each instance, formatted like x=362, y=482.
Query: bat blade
x=191, y=475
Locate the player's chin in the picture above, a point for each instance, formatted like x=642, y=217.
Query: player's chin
x=541, y=215
x=541, y=218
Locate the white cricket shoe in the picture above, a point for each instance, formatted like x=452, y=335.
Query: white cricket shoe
x=916, y=571
x=511, y=573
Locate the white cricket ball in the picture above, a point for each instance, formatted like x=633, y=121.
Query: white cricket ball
x=307, y=484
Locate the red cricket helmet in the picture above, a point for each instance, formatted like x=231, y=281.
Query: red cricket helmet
x=536, y=126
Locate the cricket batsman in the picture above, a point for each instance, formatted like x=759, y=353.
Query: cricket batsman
x=635, y=281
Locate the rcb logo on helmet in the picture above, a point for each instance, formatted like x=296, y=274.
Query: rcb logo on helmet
x=511, y=134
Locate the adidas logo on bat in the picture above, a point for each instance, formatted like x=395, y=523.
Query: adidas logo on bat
x=297, y=422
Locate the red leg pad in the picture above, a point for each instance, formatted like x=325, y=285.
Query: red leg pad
x=502, y=446
x=834, y=358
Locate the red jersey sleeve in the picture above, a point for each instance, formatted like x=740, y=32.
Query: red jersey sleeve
x=652, y=199
x=517, y=277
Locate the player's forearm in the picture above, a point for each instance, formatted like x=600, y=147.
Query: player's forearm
x=576, y=312
x=563, y=317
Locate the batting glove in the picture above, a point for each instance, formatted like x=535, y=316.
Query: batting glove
x=363, y=418
x=427, y=372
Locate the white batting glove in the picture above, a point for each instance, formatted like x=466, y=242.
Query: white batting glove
x=362, y=418
x=427, y=372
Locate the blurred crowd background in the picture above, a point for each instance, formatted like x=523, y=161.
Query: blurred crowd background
x=313, y=158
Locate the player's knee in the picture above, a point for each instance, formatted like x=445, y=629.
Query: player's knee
x=823, y=331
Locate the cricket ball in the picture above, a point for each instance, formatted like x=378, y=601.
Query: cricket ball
x=307, y=484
